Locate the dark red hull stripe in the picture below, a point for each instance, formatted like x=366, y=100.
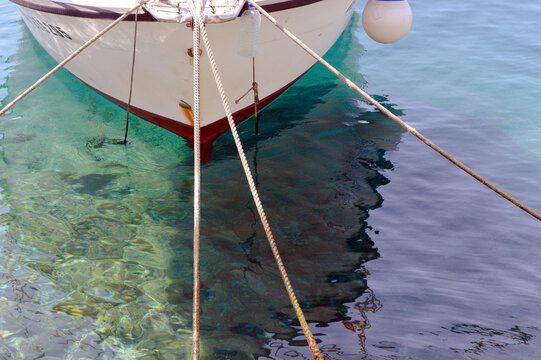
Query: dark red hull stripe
x=208, y=132
x=103, y=13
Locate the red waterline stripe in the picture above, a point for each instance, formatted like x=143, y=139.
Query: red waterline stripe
x=208, y=132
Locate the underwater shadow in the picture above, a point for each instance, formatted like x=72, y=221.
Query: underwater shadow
x=318, y=184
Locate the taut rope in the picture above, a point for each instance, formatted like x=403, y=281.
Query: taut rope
x=308, y=334
x=195, y=9
x=393, y=117
x=71, y=57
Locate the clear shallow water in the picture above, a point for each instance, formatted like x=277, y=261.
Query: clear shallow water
x=394, y=253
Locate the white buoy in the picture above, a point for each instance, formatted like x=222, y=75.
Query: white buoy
x=250, y=25
x=387, y=21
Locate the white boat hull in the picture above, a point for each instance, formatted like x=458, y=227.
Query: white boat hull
x=163, y=68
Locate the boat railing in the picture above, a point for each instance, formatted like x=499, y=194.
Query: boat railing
x=215, y=11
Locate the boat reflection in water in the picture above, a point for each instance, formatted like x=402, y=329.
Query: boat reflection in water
x=318, y=201
x=97, y=238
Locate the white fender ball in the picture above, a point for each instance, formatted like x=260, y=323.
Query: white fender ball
x=387, y=21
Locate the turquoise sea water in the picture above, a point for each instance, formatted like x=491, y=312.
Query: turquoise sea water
x=394, y=253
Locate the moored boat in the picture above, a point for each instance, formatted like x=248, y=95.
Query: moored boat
x=163, y=76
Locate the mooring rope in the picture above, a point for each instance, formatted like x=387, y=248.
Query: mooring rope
x=302, y=320
x=195, y=9
x=393, y=117
x=71, y=57
x=255, y=86
x=128, y=108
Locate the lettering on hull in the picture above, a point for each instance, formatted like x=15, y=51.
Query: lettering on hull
x=48, y=28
